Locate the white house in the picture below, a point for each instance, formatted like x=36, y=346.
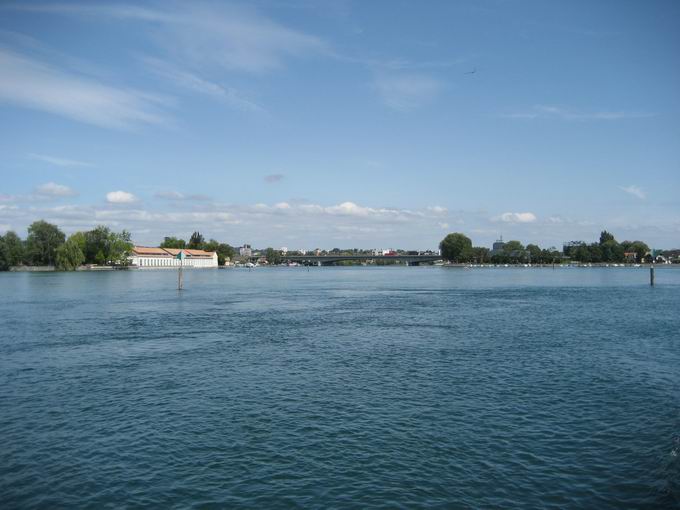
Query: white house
x=142, y=256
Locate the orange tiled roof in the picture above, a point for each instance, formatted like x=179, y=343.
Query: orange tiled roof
x=144, y=250
x=199, y=253
x=172, y=252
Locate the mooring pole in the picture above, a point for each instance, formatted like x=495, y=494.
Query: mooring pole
x=651, y=275
x=180, y=276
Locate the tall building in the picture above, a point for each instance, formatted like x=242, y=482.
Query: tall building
x=498, y=247
x=245, y=251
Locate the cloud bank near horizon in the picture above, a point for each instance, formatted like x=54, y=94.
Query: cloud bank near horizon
x=305, y=225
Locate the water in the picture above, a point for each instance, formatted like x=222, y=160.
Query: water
x=341, y=388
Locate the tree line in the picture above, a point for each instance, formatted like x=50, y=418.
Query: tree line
x=457, y=247
x=198, y=242
x=47, y=245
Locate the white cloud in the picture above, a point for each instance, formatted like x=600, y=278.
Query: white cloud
x=516, y=217
x=326, y=226
x=437, y=209
x=63, y=162
x=120, y=197
x=405, y=92
x=634, y=190
x=32, y=84
x=52, y=189
x=560, y=112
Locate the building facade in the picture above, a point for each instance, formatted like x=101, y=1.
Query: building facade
x=144, y=257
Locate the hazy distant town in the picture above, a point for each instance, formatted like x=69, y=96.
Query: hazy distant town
x=46, y=246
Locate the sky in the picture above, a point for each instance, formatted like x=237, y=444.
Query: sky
x=305, y=124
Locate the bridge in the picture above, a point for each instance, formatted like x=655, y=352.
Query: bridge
x=327, y=260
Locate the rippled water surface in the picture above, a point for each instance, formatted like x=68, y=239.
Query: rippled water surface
x=341, y=388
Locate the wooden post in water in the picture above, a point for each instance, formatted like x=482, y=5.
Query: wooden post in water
x=180, y=276
x=651, y=275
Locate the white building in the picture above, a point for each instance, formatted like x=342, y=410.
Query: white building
x=142, y=256
x=245, y=251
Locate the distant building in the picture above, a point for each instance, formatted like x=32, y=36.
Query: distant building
x=245, y=251
x=284, y=250
x=497, y=247
x=143, y=256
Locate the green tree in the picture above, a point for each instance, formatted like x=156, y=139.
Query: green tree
x=456, y=247
x=640, y=249
x=581, y=253
x=97, y=246
x=273, y=256
x=211, y=245
x=196, y=241
x=173, y=242
x=605, y=236
x=611, y=251
x=224, y=252
x=535, y=254
x=595, y=252
x=514, y=251
x=12, y=250
x=102, y=246
x=70, y=255
x=120, y=245
x=42, y=242
x=480, y=254
x=80, y=239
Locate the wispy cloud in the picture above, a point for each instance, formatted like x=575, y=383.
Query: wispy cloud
x=32, y=84
x=516, y=217
x=273, y=178
x=52, y=189
x=120, y=197
x=559, y=112
x=190, y=81
x=177, y=196
x=230, y=36
x=63, y=162
x=634, y=190
x=405, y=92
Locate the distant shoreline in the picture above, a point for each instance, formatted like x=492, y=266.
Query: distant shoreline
x=53, y=269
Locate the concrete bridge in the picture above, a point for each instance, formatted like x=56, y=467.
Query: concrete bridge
x=326, y=260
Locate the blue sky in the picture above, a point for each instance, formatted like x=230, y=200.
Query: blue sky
x=343, y=124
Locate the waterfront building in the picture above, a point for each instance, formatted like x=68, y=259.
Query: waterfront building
x=143, y=256
x=245, y=251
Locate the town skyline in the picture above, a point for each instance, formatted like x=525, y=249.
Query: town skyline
x=307, y=124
